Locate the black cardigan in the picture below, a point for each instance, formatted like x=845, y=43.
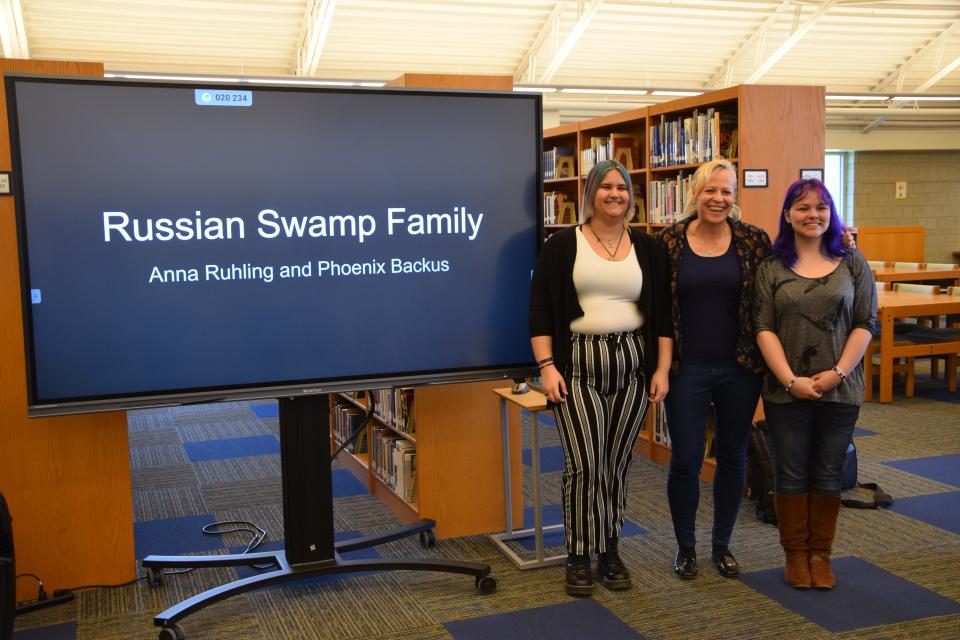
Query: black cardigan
x=554, y=303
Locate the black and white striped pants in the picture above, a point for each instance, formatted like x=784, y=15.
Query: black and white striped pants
x=599, y=422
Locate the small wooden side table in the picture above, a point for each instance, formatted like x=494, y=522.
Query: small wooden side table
x=534, y=402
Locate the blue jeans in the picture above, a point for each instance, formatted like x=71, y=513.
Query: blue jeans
x=734, y=393
x=811, y=439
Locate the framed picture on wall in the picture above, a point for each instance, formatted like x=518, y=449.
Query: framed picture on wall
x=811, y=174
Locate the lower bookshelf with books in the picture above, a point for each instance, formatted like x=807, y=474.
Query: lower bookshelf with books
x=431, y=452
x=654, y=442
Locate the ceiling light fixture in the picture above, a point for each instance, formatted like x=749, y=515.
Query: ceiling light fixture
x=863, y=97
x=616, y=92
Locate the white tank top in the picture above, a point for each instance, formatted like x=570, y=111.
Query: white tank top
x=607, y=290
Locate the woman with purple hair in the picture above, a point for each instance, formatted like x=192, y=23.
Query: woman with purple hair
x=814, y=315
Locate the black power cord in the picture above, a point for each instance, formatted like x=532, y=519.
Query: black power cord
x=215, y=529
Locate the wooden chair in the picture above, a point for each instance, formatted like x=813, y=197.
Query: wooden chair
x=940, y=266
x=877, y=264
x=904, y=366
x=907, y=265
x=931, y=334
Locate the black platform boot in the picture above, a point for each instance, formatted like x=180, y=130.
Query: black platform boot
x=611, y=570
x=579, y=579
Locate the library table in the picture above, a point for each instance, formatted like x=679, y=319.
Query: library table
x=534, y=402
x=890, y=274
x=901, y=304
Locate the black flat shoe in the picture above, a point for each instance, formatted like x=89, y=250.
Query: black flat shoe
x=685, y=565
x=611, y=571
x=579, y=576
x=724, y=561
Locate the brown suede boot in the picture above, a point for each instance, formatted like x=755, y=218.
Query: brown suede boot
x=823, y=512
x=792, y=522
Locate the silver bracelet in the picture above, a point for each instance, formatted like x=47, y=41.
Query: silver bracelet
x=792, y=382
x=837, y=370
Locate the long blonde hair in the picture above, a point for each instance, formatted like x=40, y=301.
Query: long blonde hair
x=699, y=182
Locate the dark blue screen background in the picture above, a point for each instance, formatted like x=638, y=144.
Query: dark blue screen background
x=102, y=330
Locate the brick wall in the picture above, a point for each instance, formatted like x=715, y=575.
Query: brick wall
x=933, y=195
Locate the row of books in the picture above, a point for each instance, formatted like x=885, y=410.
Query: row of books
x=622, y=147
x=558, y=208
x=700, y=137
x=558, y=163
x=346, y=419
x=668, y=198
x=393, y=459
x=395, y=408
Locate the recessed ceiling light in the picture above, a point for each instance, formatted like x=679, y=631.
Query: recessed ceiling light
x=864, y=97
x=623, y=92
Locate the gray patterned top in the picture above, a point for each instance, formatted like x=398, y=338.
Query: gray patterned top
x=813, y=318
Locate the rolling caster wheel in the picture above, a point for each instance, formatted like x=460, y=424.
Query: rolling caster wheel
x=154, y=577
x=175, y=632
x=485, y=585
x=428, y=539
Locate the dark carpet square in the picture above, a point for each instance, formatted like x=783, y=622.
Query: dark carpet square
x=174, y=536
x=860, y=432
x=585, y=619
x=231, y=448
x=544, y=418
x=945, y=469
x=345, y=484
x=65, y=631
x=941, y=394
x=865, y=596
x=553, y=514
x=266, y=410
x=939, y=509
x=551, y=458
x=369, y=553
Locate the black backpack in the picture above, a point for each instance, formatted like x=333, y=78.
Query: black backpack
x=761, y=456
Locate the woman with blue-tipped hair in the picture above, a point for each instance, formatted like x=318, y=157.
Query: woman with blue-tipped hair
x=601, y=332
x=814, y=316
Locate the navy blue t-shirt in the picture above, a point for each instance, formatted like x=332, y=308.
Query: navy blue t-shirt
x=708, y=291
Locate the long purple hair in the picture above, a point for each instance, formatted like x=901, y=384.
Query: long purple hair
x=831, y=245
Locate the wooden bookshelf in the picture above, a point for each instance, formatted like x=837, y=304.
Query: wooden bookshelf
x=459, y=460
x=779, y=128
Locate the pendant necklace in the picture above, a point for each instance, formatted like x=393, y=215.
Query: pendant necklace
x=604, y=243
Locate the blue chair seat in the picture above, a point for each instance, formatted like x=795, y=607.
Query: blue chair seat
x=928, y=335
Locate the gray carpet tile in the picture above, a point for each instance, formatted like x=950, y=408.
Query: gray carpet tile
x=169, y=502
x=223, y=428
x=238, y=469
x=157, y=456
x=236, y=495
x=153, y=437
x=180, y=475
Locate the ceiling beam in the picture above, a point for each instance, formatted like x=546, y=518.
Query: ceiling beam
x=938, y=76
x=528, y=65
x=13, y=34
x=316, y=26
x=789, y=43
x=560, y=55
x=898, y=74
x=725, y=72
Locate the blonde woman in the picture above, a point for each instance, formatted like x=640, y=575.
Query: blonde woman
x=714, y=259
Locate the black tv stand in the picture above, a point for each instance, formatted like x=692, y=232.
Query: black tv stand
x=309, y=548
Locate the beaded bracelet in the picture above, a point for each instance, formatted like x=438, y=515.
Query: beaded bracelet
x=792, y=382
x=837, y=370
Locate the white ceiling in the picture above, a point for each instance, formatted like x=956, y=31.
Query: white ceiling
x=850, y=46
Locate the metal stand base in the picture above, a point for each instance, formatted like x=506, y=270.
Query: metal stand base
x=309, y=549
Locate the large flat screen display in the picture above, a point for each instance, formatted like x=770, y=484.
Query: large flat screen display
x=195, y=242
